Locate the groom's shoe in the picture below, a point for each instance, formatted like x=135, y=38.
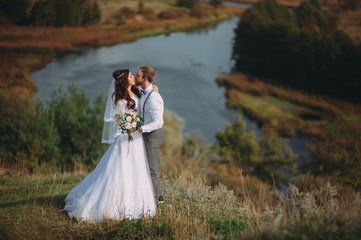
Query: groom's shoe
x=160, y=199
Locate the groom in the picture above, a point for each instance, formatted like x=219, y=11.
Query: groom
x=152, y=108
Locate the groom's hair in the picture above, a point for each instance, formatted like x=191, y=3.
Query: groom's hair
x=148, y=73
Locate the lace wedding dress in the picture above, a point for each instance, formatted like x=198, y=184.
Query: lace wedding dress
x=120, y=186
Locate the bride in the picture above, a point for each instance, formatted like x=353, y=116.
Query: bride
x=120, y=186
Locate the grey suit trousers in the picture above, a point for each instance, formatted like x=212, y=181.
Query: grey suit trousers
x=152, y=143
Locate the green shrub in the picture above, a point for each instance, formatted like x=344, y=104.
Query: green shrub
x=268, y=10
x=59, y=136
x=42, y=14
x=187, y=3
x=64, y=13
x=78, y=124
x=29, y=139
x=215, y=2
x=201, y=10
x=141, y=6
x=171, y=14
x=310, y=15
x=269, y=158
x=229, y=227
x=15, y=10
x=91, y=15
x=123, y=14
x=349, y=4
x=337, y=153
x=150, y=14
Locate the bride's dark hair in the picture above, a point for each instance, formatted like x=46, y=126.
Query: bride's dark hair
x=121, y=86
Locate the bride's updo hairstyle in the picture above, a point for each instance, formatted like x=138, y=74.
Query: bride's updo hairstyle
x=121, y=88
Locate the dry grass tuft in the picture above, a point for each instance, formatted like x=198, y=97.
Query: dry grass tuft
x=31, y=209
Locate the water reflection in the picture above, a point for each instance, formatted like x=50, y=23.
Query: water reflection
x=203, y=29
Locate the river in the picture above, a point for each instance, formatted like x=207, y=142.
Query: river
x=186, y=65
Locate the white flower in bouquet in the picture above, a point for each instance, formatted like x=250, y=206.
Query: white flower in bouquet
x=129, y=121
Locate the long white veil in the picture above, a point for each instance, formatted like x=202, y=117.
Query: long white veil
x=109, y=128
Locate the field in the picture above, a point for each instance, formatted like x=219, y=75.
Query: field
x=31, y=208
x=207, y=195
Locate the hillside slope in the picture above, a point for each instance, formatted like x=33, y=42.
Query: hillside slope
x=31, y=208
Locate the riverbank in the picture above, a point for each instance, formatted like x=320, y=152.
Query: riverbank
x=24, y=50
x=288, y=3
x=334, y=125
x=292, y=112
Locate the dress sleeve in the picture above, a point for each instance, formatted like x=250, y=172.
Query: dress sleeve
x=120, y=107
x=110, y=128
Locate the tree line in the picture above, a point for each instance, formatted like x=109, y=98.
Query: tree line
x=300, y=48
x=64, y=135
x=193, y=3
x=51, y=12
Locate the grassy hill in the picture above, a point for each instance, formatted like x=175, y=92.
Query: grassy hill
x=31, y=208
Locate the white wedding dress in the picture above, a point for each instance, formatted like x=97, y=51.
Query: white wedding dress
x=120, y=186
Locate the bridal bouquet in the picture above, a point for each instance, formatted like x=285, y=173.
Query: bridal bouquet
x=129, y=121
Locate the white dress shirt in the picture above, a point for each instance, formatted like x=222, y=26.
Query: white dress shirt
x=153, y=110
